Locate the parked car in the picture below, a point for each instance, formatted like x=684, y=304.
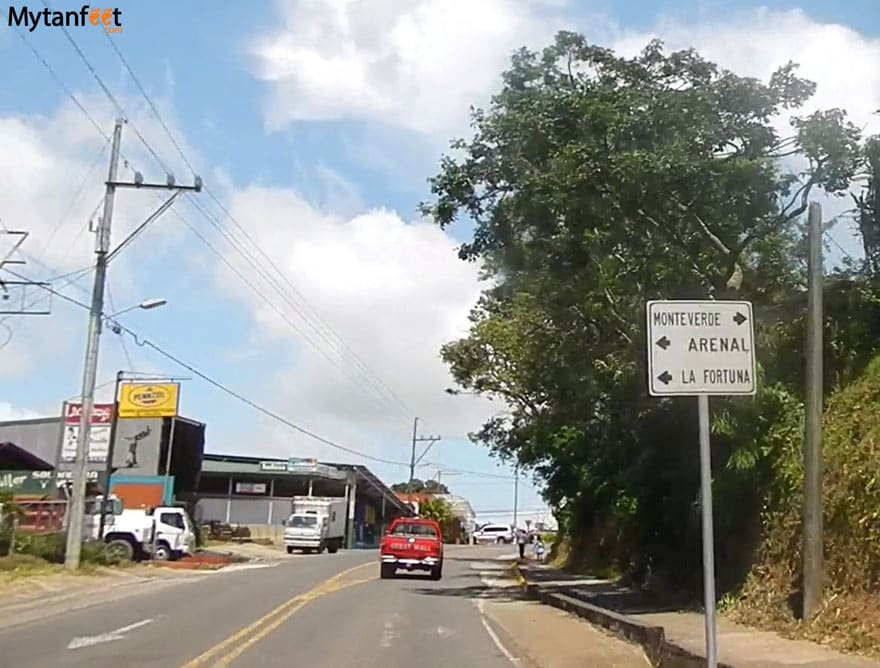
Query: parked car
x=413, y=544
x=494, y=533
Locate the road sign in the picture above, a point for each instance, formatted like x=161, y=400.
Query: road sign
x=142, y=400
x=701, y=348
x=99, y=433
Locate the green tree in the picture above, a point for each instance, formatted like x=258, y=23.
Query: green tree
x=436, y=509
x=420, y=487
x=595, y=183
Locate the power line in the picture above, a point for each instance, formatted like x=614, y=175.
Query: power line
x=121, y=338
x=61, y=83
x=368, y=374
x=217, y=384
x=73, y=200
x=150, y=102
x=366, y=370
x=240, y=249
x=378, y=381
x=119, y=109
x=284, y=316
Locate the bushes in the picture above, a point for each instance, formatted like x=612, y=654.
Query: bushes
x=851, y=496
x=50, y=548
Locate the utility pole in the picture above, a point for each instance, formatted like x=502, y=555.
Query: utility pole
x=413, y=461
x=76, y=507
x=813, y=562
x=515, y=495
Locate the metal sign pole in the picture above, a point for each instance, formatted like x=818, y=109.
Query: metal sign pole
x=702, y=348
x=708, y=532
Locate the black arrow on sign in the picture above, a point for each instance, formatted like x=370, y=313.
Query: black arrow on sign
x=664, y=378
x=739, y=318
x=663, y=342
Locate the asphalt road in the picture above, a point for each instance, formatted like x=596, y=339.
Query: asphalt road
x=328, y=610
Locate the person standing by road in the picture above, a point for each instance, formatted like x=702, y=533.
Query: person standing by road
x=521, y=539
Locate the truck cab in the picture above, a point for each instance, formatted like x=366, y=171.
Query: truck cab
x=315, y=524
x=162, y=533
x=412, y=544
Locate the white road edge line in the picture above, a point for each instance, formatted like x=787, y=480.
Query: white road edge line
x=479, y=603
x=88, y=641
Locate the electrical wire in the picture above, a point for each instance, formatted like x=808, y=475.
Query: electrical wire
x=73, y=200
x=64, y=87
x=363, y=366
x=370, y=376
x=120, y=110
x=236, y=395
x=153, y=107
x=121, y=338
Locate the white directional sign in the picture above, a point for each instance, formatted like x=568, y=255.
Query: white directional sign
x=700, y=347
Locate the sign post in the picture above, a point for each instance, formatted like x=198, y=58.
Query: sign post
x=702, y=349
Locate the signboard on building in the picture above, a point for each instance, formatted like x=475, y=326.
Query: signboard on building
x=36, y=483
x=701, y=348
x=142, y=400
x=99, y=434
x=299, y=466
x=250, y=488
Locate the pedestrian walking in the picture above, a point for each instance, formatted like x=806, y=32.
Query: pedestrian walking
x=539, y=549
x=521, y=539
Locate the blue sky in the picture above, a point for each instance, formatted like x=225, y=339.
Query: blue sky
x=322, y=155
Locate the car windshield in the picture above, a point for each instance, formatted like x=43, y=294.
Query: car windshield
x=412, y=529
x=302, y=521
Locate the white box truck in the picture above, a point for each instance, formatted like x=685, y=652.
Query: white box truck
x=315, y=523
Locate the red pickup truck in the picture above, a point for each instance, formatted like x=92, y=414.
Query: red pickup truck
x=412, y=543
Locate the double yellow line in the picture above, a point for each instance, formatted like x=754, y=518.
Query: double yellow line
x=236, y=644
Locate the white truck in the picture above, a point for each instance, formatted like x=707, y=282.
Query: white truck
x=162, y=533
x=315, y=523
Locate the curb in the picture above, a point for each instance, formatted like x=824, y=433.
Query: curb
x=660, y=651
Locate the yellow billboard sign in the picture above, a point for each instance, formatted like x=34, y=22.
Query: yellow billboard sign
x=140, y=400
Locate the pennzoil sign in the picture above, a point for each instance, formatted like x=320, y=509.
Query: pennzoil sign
x=140, y=400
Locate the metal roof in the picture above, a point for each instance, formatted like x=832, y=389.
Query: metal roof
x=219, y=463
x=460, y=506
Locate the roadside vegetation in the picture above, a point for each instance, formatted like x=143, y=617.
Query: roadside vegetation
x=596, y=183
x=38, y=554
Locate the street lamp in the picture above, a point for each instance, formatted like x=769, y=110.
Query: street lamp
x=146, y=305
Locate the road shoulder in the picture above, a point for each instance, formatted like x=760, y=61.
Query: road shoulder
x=545, y=636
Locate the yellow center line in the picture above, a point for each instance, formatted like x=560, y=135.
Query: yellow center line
x=266, y=630
x=285, y=611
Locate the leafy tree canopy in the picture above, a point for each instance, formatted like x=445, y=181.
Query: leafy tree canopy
x=595, y=183
x=420, y=487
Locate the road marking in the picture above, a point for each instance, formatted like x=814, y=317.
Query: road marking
x=266, y=630
x=88, y=641
x=480, y=604
x=234, y=568
x=282, y=613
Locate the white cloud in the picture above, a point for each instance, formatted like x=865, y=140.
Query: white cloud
x=392, y=288
x=416, y=64
x=394, y=292
x=840, y=60
x=9, y=412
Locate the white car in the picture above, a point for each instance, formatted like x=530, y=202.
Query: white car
x=494, y=533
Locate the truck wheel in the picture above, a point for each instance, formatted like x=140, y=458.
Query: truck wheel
x=333, y=547
x=437, y=571
x=120, y=549
x=289, y=550
x=162, y=552
x=320, y=549
x=386, y=571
